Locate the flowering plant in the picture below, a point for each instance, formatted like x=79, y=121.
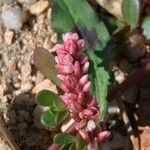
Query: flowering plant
x=80, y=69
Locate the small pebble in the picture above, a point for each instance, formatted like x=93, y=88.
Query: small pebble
x=46, y=84
x=1, y=90
x=26, y=86
x=38, y=7
x=13, y=18
x=11, y=65
x=8, y=37
x=27, y=2
x=6, y=1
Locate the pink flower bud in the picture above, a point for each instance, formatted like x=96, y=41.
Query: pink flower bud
x=72, y=50
x=56, y=59
x=61, y=77
x=80, y=98
x=80, y=43
x=68, y=59
x=102, y=135
x=84, y=60
x=87, y=112
x=68, y=36
x=65, y=88
x=85, y=67
x=68, y=68
x=87, y=87
x=77, y=68
x=84, y=80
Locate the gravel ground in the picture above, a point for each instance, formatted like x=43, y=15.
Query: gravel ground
x=24, y=25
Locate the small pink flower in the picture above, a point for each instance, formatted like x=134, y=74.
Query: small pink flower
x=73, y=68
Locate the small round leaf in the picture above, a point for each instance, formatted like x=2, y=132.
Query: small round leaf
x=64, y=138
x=46, y=98
x=48, y=118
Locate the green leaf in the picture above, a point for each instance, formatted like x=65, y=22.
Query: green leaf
x=64, y=138
x=48, y=118
x=84, y=20
x=131, y=12
x=99, y=77
x=80, y=143
x=65, y=147
x=47, y=98
x=59, y=105
x=61, y=12
x=61, y=116
x=146, y=27
x=45, y=63
x=72, y=147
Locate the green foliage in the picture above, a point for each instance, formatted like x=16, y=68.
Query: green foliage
x=46, y=98
x=45, y=63
x=82, y=18
x=146, y=27
x=65, y=147
x=80, y=143
x=49, y=98
x=131, y=12
x=48, y=119
x=57, y=110
x=64, y=138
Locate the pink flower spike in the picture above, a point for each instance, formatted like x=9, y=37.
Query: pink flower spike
x=102, y=135
x=85, y=67
x=84, y=80
x=87, y=87
x=82, y=107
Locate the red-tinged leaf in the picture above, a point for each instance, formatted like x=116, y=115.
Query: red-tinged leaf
x=45, y=63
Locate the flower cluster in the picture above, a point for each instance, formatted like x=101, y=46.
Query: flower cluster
x=73, y=66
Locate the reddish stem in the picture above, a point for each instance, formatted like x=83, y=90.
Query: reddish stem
x=131, y=81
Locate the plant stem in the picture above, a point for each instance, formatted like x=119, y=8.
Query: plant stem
x=132, y=80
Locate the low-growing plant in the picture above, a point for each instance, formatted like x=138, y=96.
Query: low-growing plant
x=80, y=69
